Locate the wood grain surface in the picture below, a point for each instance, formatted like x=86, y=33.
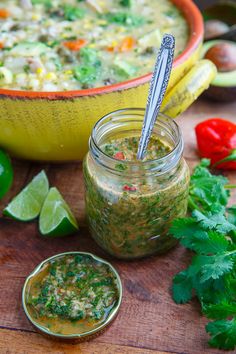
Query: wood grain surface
x=149, y=321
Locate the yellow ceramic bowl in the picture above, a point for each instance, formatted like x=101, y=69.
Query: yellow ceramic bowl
x=55, y=126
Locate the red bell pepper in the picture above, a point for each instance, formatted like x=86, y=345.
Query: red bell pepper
x=119, y=155
x=216, y=139
x=129, y=188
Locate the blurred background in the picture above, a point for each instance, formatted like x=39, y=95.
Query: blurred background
x=220, y=46
x=204, y=3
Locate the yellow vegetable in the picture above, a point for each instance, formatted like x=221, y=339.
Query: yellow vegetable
x=6, y=76
x=189, y=88
x=50, y=76
x=39, y=71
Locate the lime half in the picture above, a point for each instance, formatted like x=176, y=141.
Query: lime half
x=27, y=204
x=6, y=173
x=56, y=218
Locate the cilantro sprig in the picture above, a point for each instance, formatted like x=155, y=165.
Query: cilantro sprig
x=210, y=232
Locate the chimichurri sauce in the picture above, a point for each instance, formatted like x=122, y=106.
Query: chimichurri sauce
x=72, y=294
x=129, y=215
x=126, y=148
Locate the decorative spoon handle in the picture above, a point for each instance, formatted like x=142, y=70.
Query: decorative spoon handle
x=158, y=85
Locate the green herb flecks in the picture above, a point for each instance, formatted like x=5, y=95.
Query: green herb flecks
x=124, y=211
x=90, y=67
x=128, y=147
x=123, y=18
x=74, y=289
x=126, y=3
x=46, y=3
x=72, y=13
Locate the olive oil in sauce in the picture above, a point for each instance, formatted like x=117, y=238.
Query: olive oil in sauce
x=73, y=294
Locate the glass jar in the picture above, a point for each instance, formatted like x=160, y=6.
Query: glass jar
x=133, y=222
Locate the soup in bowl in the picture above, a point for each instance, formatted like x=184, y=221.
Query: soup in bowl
x=61, y=45
x=64, y=64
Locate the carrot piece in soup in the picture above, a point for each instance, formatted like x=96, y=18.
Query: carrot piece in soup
x=127, y=44
x=4, y=13
x=76, y=44
x=110, y=49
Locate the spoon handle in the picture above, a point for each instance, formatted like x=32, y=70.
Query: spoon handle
x=158, y=86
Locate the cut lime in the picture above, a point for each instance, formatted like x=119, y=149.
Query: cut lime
x=56, y=218
x=6, y=173
x=27, y=204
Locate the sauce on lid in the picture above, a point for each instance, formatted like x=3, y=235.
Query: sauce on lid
x=71, y=294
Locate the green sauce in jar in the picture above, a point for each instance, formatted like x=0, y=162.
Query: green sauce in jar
x=126, y=148
x=131, y=204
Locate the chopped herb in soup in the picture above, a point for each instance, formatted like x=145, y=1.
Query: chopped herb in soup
x=60, y=45
x=72, y=294
x=130, y=214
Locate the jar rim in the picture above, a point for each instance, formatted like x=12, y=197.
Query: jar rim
x=178, y=146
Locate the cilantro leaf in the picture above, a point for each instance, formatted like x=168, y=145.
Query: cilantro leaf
x=211, y=244
x=230, y=288
x=219, y=311
x=232, y=214
x=204, y=163
x=211, y=233
x=183, y=227
x=223, y=334
x=211, y=291
x=215, y=266
x=202, y=170
x=186, y=230
x=207, y=189
x=191, y=236
x=216, y=221
x=182, y=288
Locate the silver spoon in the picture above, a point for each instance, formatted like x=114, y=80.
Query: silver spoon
x=158, y=86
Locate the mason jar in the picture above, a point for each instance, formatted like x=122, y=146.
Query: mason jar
x=130, y=204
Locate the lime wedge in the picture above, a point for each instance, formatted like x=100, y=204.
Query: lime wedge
x=56, y=218
x=27, y=204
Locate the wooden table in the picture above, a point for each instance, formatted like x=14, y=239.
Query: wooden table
x=149, y=321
